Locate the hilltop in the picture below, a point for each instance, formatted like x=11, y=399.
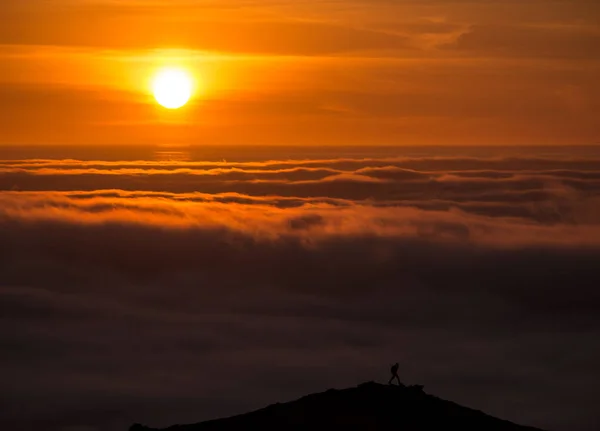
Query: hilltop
x=370, y=406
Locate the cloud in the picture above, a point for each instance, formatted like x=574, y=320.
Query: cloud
x=164, y=307
x=530, y=41
x=544, y=190
x=207, y=29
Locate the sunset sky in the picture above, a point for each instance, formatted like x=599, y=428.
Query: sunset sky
x=302, y=72
x=350, y=184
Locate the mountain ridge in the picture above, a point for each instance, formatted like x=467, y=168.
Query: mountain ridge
x=369, y=406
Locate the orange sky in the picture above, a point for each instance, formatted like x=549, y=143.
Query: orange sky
x=303, y=72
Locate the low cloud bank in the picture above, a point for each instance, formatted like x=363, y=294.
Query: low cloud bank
x=164, y=304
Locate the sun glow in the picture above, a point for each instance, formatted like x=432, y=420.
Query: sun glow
x=172, y=87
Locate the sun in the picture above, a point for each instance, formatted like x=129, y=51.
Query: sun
x=172, y=87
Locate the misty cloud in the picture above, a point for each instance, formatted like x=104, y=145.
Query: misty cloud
x=132, y=303
x=531, y=41
x=543, y=190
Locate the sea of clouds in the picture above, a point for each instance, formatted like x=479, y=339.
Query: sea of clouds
x=171, y=292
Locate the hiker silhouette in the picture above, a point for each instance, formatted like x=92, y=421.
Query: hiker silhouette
x=394, y=371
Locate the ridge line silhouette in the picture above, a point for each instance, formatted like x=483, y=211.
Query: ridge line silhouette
x=370, y=405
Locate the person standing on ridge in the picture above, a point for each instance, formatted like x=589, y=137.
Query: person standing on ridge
x=394, y=371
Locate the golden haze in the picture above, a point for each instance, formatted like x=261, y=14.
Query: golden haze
x=302, y=73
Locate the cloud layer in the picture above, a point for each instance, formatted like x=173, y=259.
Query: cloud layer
x=166, y=292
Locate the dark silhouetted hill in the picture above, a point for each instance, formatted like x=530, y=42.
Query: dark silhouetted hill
x=370, y=406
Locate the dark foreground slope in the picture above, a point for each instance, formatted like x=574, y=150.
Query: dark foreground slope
x=370, y=406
